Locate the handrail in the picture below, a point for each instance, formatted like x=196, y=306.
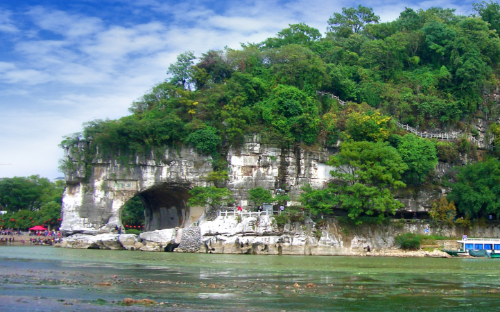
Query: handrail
x=445, y=136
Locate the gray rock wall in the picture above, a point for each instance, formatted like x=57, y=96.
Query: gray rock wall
x=93, y=204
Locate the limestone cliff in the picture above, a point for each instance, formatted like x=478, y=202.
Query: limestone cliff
x=95, y=195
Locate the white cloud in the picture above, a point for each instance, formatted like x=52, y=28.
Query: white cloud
x=62, y=23
x=6, y=23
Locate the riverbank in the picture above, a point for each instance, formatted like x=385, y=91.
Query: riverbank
x=18, y=239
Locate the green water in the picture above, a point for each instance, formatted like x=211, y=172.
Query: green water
x=242, y=282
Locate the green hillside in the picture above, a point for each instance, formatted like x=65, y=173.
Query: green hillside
x=433, y=70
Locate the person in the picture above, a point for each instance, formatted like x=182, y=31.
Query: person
x=368, y=249
x=282, y=208
x=259, y=209
x=414, y=215
x=491, y=217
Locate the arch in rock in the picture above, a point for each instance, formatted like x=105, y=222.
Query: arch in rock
x=165, y=206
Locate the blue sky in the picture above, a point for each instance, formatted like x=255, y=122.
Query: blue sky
x=64, y=62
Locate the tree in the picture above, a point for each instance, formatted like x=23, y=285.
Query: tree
x=210, y=195
x=443, y=211
x=260, y=196
x=351, y=21
x=133, y=212
x=476, y=192
x=205, y=140
x=292, y=114
x=421, y=157
x=28, y=193
x=181, y=70
x=368, y=126
x=489, y=12
x=317, y=201
x=364, y=177
x=296, y=34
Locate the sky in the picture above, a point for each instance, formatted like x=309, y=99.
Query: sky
x=64, y=63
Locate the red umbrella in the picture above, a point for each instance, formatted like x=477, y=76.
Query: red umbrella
x=38, y=228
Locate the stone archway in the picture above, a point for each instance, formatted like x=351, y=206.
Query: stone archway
x=165, y=206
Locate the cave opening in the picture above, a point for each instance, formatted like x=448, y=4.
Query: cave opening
x=160, y=207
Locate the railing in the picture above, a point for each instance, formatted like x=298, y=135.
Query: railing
x=482, y=239
x=247, y=214
x=242, y=214
x=445, y=136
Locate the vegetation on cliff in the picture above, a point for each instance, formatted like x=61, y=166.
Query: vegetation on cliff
x=428, y=68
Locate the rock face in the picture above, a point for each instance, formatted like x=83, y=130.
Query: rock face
x=93, y=201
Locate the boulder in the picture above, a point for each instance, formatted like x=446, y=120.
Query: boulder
x=128, y=241
x=102, y=241
x=159, y=236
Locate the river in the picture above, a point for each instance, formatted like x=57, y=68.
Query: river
x=53, y=279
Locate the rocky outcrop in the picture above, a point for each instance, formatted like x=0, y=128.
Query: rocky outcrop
x=102, y=241
x=191, y=239
x=93, y=200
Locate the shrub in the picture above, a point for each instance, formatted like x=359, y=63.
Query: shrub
x=133, y=231
x=409, y=241
x=281, y=220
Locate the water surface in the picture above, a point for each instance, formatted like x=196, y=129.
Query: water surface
x=52, y=279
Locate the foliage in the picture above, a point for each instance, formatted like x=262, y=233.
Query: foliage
x=366, y=174
x=443, y=211
x=296, y=34
x=281, y=220
x=370, y=126
x=260, y=196
x=489, y=12
x=210, y=195
x=180, y=70
x=133, y=212
x=133, y=231
x=409, y=241
x=317, y=201
x=447, y=152
x=419, y=155
x=352, y=20
x=49, y=215
x=463, y=222
x=477, y=189
x=28, y=193
x=217, y=177
x=205, y=140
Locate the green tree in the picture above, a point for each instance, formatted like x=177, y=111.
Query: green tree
x=260, y=196
x=205, y=140
x=489, y=12
x=368, y=126
x=421, y=157
x=211, y=196
x=476, y=192
x=364, y=177
x=318, y=200
x=133, y=212
x=181, y=70
x=443, y=211
x=295, y=34
x=352, y=20
x=28, y=193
